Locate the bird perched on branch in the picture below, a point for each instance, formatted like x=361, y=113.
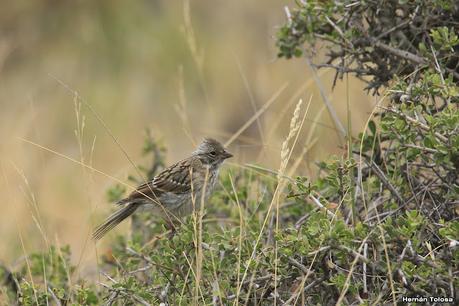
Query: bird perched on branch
x=175, y=192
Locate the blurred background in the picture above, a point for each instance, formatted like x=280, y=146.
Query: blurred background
x=183, y=69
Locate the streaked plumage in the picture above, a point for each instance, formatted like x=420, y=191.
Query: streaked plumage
x=177, y=190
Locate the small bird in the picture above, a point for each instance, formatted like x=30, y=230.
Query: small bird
x=177, y=190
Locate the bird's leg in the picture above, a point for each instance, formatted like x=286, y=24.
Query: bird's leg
x=171, y=227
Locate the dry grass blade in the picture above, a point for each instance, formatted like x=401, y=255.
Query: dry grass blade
x=256, y=115
x=295, y=129
x=286, y=152
x=101, y=121
x=294, y=98
x=155, y=200
x=190, y=265
x=197, y=224
x=36, y=216
x=253, y=103
x=197, y=54
x=309, y=143
x=241, y=224
x=181, y=107
x=78, y=162
x=21, y=237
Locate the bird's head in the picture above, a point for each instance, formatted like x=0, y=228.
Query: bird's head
x=211, y=152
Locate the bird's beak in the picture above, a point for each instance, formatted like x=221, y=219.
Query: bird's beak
x=227, y=154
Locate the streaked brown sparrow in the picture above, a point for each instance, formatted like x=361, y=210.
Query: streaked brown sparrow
x=177, y=190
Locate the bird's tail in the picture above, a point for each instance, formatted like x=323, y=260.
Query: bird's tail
x=115, y=219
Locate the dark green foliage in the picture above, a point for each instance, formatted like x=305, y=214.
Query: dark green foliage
x=375, y=40
x=402, y=180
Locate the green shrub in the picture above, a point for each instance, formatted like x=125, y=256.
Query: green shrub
x=378, y=224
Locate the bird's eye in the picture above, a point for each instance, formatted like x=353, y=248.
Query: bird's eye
x=213, y=153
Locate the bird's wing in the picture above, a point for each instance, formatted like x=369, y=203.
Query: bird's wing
x=175, y=179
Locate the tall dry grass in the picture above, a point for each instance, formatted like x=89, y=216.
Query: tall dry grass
x=186, y=70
